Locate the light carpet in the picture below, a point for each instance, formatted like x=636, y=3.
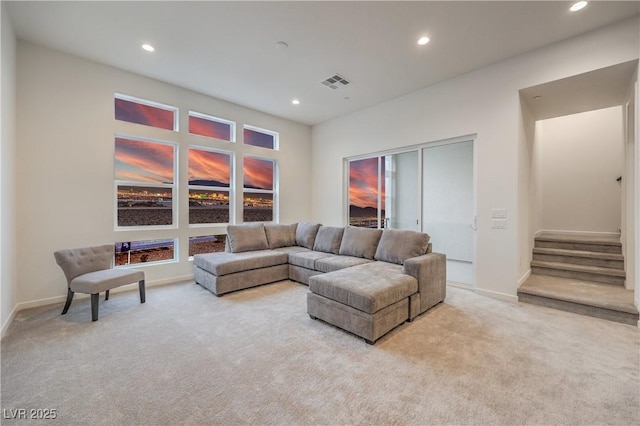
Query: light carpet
x=255, y=357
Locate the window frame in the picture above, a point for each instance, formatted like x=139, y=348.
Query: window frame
x=174, y=259
x=230, y=190
x=276, y=137
x=275, y=216
x=173, y=186
x=128, y=98
x=232, y=124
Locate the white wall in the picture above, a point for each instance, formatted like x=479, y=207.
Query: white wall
x=8, y=282
x=65, y=132
x=528, y=194
x=484, y=102
x=581, y=156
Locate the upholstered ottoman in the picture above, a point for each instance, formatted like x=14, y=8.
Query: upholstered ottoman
x=367, y=300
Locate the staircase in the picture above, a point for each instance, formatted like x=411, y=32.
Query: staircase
x=580, y=274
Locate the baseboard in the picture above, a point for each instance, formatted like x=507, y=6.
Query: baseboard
x=5, y=326
x=583, y=233
x=463, y=286
x=60, y=299
x=524, y=277
x=497, y=295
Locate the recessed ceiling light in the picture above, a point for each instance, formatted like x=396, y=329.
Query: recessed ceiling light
x=148, y=47
x=535, y=98
x=282, y=45
x=578, y=6
x=295, y=102
x=423, y=40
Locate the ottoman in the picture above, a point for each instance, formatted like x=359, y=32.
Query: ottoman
x=367, y=300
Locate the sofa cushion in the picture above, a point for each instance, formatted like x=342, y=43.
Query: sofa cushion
x=328, y=239
x=397, y=245
x=360, y=242
x=335, y=263
x=224, y=263
x=306, y=234
x=307, y=259
x=292, y=249
x=281, y=235
x=247, y=237
x=368, y=287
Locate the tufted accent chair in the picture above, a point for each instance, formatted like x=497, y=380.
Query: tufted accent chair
x=89, y=270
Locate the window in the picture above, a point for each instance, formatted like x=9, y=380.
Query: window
x=206, y=244
x=147, y=251
x=144, y=178
x=367, y=192
x=146, y=113
x=258, y=196
x=209, y=186
x=260, y=137
x=211, y=127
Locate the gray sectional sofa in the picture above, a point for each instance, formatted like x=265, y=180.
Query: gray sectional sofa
x=365, y=281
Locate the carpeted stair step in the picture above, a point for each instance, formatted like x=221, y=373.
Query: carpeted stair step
x=580, y=272
x=577, y=257
x=581, y=297
x=568, y=243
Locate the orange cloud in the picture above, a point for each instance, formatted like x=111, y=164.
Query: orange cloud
x=211, y=129
x=258, y=173
x=141, y=161
x=148, y=115
x=209, y=166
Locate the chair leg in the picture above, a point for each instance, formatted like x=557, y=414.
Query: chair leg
x=68, y=303
x=141, y=286
x=106, y=296
x=95, y=298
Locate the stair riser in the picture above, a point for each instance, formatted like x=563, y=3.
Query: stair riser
x=585, y=276
x=575, y=260
x=622, y=317
x=599, y=248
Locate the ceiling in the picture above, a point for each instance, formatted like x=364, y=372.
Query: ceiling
x=602, y=88
x=228, y=49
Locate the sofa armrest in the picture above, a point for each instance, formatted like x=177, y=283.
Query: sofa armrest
x=431, y=272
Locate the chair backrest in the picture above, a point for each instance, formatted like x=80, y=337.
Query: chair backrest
x=79, y=261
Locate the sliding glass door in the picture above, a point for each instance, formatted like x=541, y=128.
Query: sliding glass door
x=384, y=192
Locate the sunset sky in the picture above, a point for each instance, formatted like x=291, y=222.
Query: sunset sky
x=140, y=161
x=212, y=129
x=363, y=183
x=258, y=173
x=208, y=165
x=251, y=137
x=144, y=114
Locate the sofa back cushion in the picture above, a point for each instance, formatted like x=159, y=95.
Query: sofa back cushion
x=360, y=242
x=281, y=235
x=246, y=237
x=398, y=245
x=328, y=239
x=306, y=234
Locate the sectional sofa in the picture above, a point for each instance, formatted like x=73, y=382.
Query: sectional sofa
x=365, y=281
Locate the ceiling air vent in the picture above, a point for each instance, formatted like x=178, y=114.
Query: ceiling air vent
x=336, y=81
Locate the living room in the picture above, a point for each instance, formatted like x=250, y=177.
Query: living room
x=58, y=183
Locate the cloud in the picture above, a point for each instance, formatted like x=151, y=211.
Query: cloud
x=143, y=161
x=251, y=137
x=363, y=182
x=258, y=173
x=209, y=128
x=208, y=165
x=134, y=112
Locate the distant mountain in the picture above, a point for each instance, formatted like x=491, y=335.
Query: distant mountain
x=205, y=182
x=355, y=211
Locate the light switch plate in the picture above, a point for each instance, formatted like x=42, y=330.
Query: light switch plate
x=499, y=223
x=499, y=213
